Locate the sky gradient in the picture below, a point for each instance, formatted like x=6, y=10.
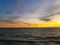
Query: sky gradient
x=25, y=13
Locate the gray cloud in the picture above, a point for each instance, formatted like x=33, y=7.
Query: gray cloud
x=52, y=9
x=43, y=12
x=12, y=20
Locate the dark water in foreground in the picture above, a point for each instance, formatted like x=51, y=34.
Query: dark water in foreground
x=18, y=36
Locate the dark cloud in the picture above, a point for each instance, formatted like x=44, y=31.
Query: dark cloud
x=50, y=13
x=45, y=19
x=13, y=21
x=7, y=21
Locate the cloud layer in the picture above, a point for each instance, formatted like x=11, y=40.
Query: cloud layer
x=40, y=13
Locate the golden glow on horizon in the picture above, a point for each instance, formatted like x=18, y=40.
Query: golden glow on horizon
x=6, y=25
x=55, y=22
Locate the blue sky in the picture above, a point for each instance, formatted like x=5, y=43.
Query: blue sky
x=7, y=6
x=26, y=10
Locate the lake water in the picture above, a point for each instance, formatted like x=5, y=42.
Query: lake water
x=24, y=36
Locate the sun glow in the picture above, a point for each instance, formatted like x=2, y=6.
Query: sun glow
x=54, y=22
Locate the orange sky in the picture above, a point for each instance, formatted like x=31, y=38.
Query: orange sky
x=9, y=25
x=55, y=22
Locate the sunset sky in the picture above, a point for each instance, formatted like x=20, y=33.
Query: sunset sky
x=29, y=13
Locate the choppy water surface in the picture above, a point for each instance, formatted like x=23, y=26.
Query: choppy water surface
x=21, y=36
